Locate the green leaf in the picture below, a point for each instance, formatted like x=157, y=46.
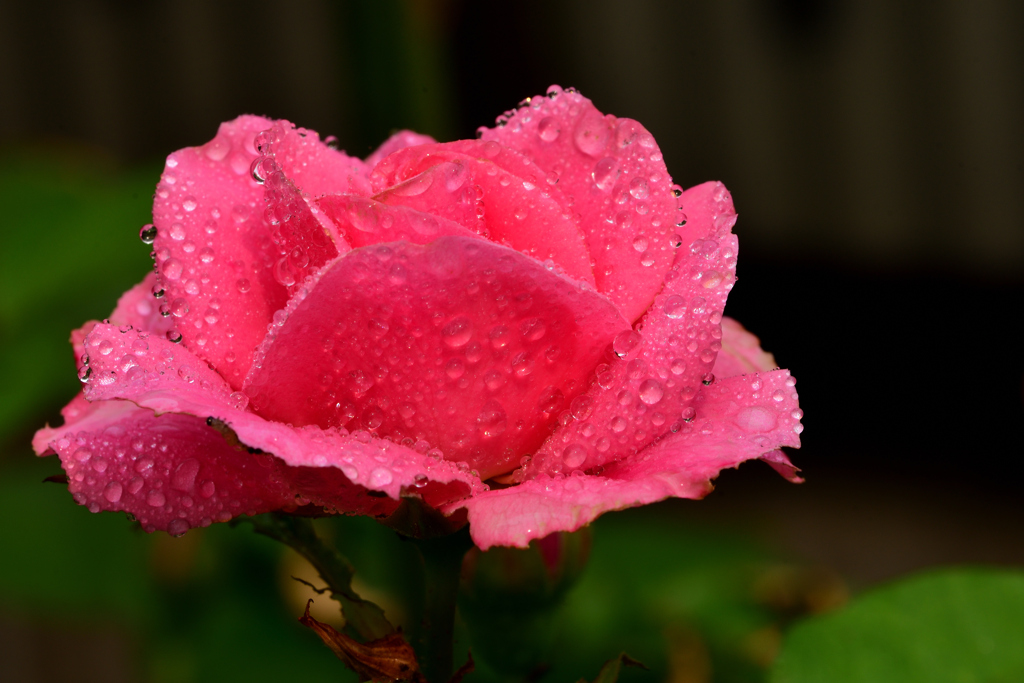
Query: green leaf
x=961, y=625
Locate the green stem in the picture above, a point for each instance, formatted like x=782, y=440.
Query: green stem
x=442, y=563
x=362, y=617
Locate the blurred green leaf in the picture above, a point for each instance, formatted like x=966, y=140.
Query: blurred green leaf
x=962, y=626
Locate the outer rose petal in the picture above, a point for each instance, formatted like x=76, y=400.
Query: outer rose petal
x=614, y=171
x=168, y=378
x=741, y=423
x=400, y=140
x=214, y=253
x=741, y=352
x=471, y=346
x=140, y=309
x=491, y=190
x=647, y=390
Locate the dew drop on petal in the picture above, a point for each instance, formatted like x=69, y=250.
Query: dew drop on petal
x=651, y=391
x=574, y=455
x=457, y=333
x=625, y=342
x=112, y=491
x=548, y=129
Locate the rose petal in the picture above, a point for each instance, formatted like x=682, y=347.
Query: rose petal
x=490, y=190
x=214, y=254
x=171, y=472
x=400, y=140
x=174, y=472
x=306, y=238
x=741, y=352
x=737, y=423
x=167, y=378
x=139, y=308
x=311, y=165
x=614, y=171
x=646, y=391
x=778, y=461
x=468, y=345
x=363, y=221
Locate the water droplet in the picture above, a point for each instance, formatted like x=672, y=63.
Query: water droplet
x=189, y=203
x=712, y=279
x=625, y=343
x=533, y=329
x=582, y=407
x=676, y=241
x=178, y=308
x=523, y=365
x=105, y=347
x=156, y=499
x=651, y=391
x=499, y=337
x=380, y=477
x=574, y=455
x=148, y=233
x=640, y=243
x=494, y=380
x=177, y=527
x=492, y=420
x=173, y=336
x=778, y=396
x=688, y=414
x=243, y=285
x=639, y=189
x=678, y=366
x=455, y=368
x=373, y=417
x=605, y=173
x=184, y=477
x=755, y=419
x=457, y=333
x=551, y=400
x=112, y=491
x=618, y=424
x=675, y=307
x=171, y=269
x=591, y=134
x=548, y=129
x=707, y=379
x=177, y=232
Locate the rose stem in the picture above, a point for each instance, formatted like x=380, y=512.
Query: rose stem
x=366, y=619
x=442, y=563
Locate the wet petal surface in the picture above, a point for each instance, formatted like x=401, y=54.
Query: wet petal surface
x=364, y=221
x=741, y=352
x=471, y=347
x=491, y=190
x=614, y=173
x=737, y=422
x=214, y=253
x=657, y=371
x=167, y=378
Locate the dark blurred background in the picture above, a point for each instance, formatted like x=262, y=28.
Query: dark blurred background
x=874, y=149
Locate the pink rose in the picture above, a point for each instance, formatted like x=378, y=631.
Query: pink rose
x=524, y=329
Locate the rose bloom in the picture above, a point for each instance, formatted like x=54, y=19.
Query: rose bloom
x=523, y=330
